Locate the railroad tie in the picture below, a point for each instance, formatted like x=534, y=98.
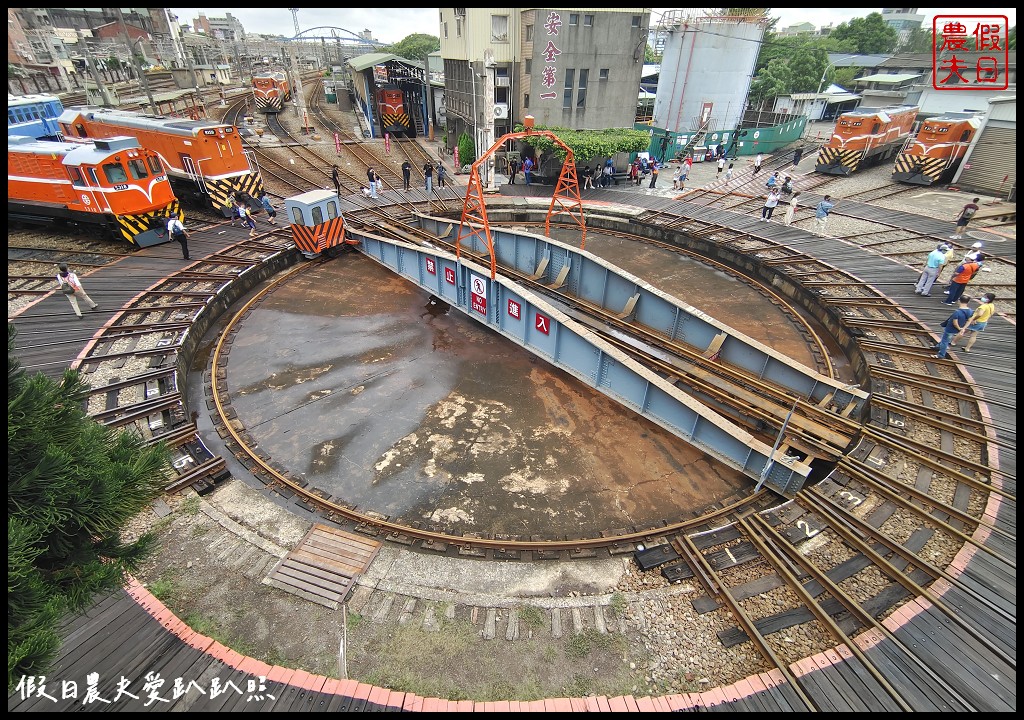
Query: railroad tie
x=385, y=607
x=512, y=629
x=430, y=623
x=599, y=620
x=488, y=632
x=556, y=623
x=577, y=621
x=407, y=611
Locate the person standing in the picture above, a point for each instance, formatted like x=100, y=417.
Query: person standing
x=797, y=154
x=247, y=219
x=441, y=172
x=513, y=170
x=407, y=174
x=791, y=210
x=271, y=211
x=933, y=264
x=770, y=203
x=962, y=275
x=964, y=217
x=428, y=177
x=655, y=168
x=71, y=286
x=527, y=168
x=634, y=172
x=821, y=213
x=176, y=231
x=953, y=326
x=757, y=163
x=950, y=252
x=675, y=177
x=684, y=176
x=336, y=178
x=721, y=164
x=979, y=320
x=371, y=179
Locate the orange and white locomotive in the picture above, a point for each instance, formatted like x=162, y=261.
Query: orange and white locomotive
x=113, y=185
x=936, y=152
x=205, y=159
x=394, y=116
x=864, y=137
x=271, y=91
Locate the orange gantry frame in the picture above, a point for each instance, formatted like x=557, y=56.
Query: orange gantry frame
x=566, y=195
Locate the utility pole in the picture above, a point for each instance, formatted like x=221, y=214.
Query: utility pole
x=299, y=99
x=108, y=101
x=135, y=61
x=429, y=99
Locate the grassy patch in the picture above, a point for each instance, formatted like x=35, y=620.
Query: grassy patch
x=190, y=506
x=618, y=604
x=579, y=686
x=579, y=645
x=532, y=616
x=165, y=588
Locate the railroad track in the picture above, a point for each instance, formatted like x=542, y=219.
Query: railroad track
x=825, y=565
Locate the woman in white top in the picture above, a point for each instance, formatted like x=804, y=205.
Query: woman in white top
x=770, y=203
x=68, y=280
x=791, y=210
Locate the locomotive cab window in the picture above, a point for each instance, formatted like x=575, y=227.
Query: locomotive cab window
x=115, y=173
x=297, y=218
x=874, y=129
x=332, y=209
x=76, y=176
x=137, y=168
x=80, y=129
x=155, y=165
x=318, y=214
x=966, y=134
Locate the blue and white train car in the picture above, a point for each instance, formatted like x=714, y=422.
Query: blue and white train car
x=34, y=116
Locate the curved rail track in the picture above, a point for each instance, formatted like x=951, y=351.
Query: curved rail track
x=920, y=485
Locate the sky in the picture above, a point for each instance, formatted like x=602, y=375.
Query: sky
x=393, y=24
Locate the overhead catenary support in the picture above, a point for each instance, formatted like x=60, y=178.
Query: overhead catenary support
x=566, y=195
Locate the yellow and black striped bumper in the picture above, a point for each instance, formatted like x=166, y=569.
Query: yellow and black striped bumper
x=835, y=161
x=133, y=226
x=220, y=191
x=918, y=169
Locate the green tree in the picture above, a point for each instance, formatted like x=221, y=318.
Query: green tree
x=589, y=144
x=650, y=56
x=918, y=40
x=72, y=484
x=415, y=47
x=869, y=34
x=467, y=149
x=774, y=80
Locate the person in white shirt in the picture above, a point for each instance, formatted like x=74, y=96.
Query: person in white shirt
x=770, y=203
x=72, y=288
x=176, y=231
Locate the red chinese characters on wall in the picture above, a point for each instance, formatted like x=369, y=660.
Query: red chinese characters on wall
x=550, y=55
x=970, y=52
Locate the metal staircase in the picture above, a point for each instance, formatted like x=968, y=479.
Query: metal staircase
x=698, y=136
